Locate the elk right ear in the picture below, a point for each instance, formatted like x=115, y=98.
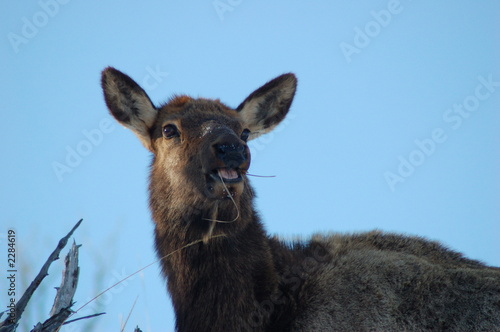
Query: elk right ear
x=267, y=106
x=129, y=104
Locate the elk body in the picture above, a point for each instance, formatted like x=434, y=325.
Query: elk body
x=231, y=276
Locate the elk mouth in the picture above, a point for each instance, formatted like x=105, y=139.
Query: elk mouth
x=225, y=183
x=227, y=175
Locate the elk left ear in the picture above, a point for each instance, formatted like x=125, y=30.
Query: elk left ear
x=267, y=106
x=129, y=104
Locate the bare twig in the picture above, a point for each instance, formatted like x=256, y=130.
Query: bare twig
x=85, y=317
x=10, y=323
x=54, y=323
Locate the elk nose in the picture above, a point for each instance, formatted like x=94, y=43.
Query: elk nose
x=233, y=155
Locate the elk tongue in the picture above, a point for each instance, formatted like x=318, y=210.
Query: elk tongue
x=228, y=173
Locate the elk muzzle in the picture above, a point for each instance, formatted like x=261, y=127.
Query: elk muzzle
x=226, y=162
x=234, y=157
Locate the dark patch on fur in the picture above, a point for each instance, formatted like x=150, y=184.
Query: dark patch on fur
x=272, y=100
x=117, y=112
x=127, y=88
x=263, y=90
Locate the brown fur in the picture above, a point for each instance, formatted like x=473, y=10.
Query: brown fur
x=239, y=278
x=179, y=101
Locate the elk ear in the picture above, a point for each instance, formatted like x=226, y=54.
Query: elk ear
x=267, y=106
x=129, y=104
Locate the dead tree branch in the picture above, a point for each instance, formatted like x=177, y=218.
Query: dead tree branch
x=10, y=323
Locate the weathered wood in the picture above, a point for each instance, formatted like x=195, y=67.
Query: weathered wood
x=65, y=293
x=64, y=297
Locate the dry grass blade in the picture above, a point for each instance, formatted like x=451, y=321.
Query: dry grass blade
x=130, y=313
x=140, y=270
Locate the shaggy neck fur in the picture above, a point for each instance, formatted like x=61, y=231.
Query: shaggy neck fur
x=232, y=272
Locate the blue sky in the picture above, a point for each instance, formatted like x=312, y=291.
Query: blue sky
x=395, y=126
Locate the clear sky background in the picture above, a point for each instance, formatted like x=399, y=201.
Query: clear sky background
x=395, y=126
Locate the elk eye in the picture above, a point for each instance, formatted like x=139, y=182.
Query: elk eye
x=245, y=134
x=170, y=131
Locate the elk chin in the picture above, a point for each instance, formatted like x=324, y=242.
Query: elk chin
x=224, y=184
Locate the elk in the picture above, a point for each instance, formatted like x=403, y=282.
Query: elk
x=225, y=273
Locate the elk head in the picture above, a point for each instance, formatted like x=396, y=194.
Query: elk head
x=199, y=145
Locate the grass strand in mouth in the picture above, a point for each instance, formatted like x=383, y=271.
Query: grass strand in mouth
x=232, y=200
x=261, y=176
